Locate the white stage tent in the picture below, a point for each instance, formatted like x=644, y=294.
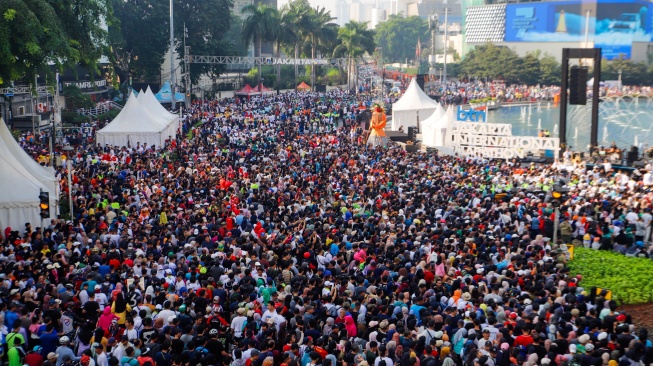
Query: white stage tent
x=434, y=129
x=134, y=124
x=148, y=102
x=412, y=105
x=23, y=179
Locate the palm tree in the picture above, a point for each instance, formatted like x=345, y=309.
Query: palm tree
x=297, y=13
x=259, y=26
x=318, y=30
x=355, y=40
x=286, y=34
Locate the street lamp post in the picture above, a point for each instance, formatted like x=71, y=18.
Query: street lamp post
x=172, y=55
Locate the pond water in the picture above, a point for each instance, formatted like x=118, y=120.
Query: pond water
x=625, y=121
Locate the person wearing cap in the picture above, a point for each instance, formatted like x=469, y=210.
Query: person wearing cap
x=238, y=323
x=101, y=358
x=64, y=351
x=51, y=359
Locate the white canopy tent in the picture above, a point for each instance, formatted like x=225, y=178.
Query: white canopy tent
x=45, y=175
x=22, y=182
x=412, y=105
x=148, y=102
x=434, y=129
x=133, y=125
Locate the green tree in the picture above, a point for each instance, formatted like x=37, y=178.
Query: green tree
x=259, y=26
x=207, y=24
x=632, y=73
x=550, y=70
x=318, y=31
x=492, y=62
x=138, y=38
x=398, y=36
x=296, y=12
x=34, y=33
x=530, y=71
x=355, y=40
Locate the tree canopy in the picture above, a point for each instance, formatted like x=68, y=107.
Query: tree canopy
x=398, y=36
x=36, y=33
x=492, y=62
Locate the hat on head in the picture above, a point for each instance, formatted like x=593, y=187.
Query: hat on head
x=584, y=338
x=621, y=318
x=602, y=336
x=52, y=355
x=589, y=348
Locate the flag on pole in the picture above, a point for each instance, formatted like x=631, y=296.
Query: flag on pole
x=418, y=49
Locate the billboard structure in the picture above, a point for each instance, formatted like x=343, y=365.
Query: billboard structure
x=613, y=24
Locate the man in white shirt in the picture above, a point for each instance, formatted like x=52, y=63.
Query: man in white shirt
x=238, y=323
x=166, y=313
x=101, y=357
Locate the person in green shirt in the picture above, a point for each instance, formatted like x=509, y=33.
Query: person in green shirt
x=16, y=353
x=14, y=336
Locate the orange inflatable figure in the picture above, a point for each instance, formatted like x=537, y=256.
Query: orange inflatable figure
x=377, y=127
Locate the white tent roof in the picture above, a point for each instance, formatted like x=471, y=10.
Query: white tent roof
x=45, y=175
x=414, y=98
x=435, y=128
x=149, y=102
x=135, y=124
x=133, y=119
x=19, y=201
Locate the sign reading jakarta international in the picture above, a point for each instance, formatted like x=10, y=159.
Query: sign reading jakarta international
x=613, y=24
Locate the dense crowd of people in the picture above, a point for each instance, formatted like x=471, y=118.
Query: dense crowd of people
x=270, y=233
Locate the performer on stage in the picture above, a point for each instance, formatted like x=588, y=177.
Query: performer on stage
x=377, y=127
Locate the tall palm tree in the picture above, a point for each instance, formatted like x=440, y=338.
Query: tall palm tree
x=354, y=41
x=259, y=26
x=319, y=30
x=297, y=13
x=286, y=34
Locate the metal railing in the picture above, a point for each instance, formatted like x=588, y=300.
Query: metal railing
x=100, y=109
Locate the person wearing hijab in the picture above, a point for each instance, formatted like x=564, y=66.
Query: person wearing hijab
x=351, y=326
x=120, y=308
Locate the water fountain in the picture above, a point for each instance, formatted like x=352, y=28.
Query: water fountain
x=605, y=134
x=555, y=129
x=575, y=133
x=539, y=106
x=548, y=105
x=539, y=124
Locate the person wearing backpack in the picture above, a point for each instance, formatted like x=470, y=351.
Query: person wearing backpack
x=16, y=353
x=163, y=358
x=128, y=359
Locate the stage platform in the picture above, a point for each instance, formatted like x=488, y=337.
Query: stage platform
x=397, y=136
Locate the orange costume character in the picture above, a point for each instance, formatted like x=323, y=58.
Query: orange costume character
x=377, y=127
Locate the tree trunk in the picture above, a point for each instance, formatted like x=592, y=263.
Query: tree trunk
x=312, y=63
x=258, y=50
x=296, y=66
x=278, y=66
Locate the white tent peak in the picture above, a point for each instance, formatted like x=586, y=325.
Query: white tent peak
x=414, y=98
x=414, y=105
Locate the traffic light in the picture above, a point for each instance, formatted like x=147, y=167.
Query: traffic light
x=558, y=195
x=44, y=204
x=578, y=85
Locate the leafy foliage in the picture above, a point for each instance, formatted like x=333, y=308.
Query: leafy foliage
x=627, y=277
x=632, y=73
x=138, y=37
x=208, y=22
x=34, y=33
x=398, y=36
x=499, y=62
x=75, y=99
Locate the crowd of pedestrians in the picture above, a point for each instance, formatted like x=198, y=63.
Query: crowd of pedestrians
x=269, y=233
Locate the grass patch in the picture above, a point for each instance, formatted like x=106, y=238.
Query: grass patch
x=629, y=278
